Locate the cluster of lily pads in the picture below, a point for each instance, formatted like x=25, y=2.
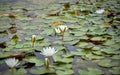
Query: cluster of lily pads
x=89, y=47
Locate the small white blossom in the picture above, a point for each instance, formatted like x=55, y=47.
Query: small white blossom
x=48, y=51
x=57, y=30
x=63, y=28
x=12, y=62
x=100, y=11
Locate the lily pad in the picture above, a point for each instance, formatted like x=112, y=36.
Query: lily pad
x=91, y=71
x=82, y=44
x=47, y=32
x=62, y=60
x=20, y=72
x=115, y=70
x=38, y=62
x=107, y=63
x=64, y=72
x=42, y=70
x=93, y=57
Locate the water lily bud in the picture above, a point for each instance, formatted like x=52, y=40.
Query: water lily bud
x=33, y=38
x=46, y=62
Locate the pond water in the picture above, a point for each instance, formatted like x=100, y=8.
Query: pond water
x=90, y=45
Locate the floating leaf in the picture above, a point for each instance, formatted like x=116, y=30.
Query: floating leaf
x=73, y=42
x=97, y=39
x=47, y=31
x=59, y=48
x=24, y=18
x=92, y=56
x=82, y=44
x=42, y=71
x=107, y=63
x=5, y=54
x=79, y=33
x=20, y=72
x=115, y=70
x=38, y=62
x=64, y=72
x=62, y=60
x=91, y=71
x=116, y=57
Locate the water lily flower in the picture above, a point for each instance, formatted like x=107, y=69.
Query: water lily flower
x=48, y=51
x=63, y=28
x=57, y=30
x=12, y=62
x=100, y=11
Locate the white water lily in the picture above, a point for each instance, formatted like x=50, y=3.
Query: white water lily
x=63, y=28
x=48, y=51
x=12, y=62
x=57, y=30
x=100, y=11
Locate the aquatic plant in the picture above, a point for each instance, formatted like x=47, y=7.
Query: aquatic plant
x=48, y=51
x=100, y=11
x=33, y=40
x=12, y=62
x=61, y=29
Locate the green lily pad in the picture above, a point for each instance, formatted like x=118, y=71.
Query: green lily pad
x=91, y=71
x=5, y=54
x=68, y=38
x=47, y=32
x=24, y=18
x=97, y=39
x=62, y=60
x=109, y=42
x=59, y=48
x=62, y=66
x=30, y=27
x=116, y=57
x=64, y=72
x=115, y=70
x=42, y=70
x=78, y=53
x=44, y=42
x=79, y=33
x=82, y=44
x=19, y=46
x=58, y=42
x=20, y=72
x=73, y=42
x=38, y=62
x=93, y=57
x=110, y=51
x=96, y=48
x=107, y=63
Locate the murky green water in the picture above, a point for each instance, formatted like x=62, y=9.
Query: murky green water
x=91, y=43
